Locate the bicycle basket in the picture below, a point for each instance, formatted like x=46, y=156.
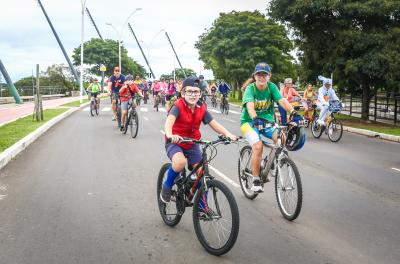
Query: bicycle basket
x=335, y=106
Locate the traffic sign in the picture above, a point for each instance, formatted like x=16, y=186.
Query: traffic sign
x=103, y=68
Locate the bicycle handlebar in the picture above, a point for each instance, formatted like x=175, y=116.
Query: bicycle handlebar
x=221, y=139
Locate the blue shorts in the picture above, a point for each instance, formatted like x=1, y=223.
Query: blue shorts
x=193, y=154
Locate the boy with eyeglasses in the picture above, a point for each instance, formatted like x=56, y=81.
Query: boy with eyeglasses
x=184, y=120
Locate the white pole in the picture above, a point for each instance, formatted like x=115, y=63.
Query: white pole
x=83, y=3
x=119, y=54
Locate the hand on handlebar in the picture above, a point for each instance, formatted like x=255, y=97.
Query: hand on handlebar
x=258, y=123
x=175, y=138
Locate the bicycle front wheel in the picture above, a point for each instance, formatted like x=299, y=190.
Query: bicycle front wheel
x=288, y=189
x=244, y=171
x=316, y=129
x=335, y=130
x=92, y=108
x=222, y=107
x=216, y=218
x=169, y=212
x=134, y=125
x=226, y=108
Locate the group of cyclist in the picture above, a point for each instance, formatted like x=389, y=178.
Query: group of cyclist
x=186, y=110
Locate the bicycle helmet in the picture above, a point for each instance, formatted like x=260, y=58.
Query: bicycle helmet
x=296, y=138
x=129, y=77
x=201, y=76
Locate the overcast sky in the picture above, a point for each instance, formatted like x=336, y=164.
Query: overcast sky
x=26, y=38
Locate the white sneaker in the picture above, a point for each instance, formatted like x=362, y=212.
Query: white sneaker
x=256, y=185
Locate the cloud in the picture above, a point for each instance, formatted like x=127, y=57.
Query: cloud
x=26, y=38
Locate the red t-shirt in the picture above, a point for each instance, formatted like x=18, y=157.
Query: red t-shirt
x=127, y=91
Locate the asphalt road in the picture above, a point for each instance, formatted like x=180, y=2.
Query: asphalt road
x=85, y=193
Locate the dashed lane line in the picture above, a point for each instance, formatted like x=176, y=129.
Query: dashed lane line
x=86, y=109
x=395, y=169
x=145, y=118
x=105, y=109
x=235, y=112
x=144, y=109
x=230, y=120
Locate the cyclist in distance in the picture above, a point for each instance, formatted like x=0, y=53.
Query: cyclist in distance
x=126, y=94
x=94, y=90
x=213, y=88
x=204, y=88
x=325, y=94
x=258, y=109
x=308, y=95
x=288, y=92
x=170, y=94
x=184, y=120
x=223, y=89
x=115, y=83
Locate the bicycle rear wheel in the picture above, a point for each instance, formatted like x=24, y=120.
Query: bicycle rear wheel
x=134, y=124
x=244, y=169
x=169, y=212
x=91, y=108
x=216, y=218
x=222, y=106
x=316, y=129
x=97, y=109
x=226, y=108
x=288, y=189
x=335, y=130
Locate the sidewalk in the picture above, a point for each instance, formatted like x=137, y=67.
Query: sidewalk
x=11, y=112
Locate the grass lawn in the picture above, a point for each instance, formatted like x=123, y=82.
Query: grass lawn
x=14, y=131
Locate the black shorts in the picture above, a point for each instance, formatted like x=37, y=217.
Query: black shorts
x=94, y=94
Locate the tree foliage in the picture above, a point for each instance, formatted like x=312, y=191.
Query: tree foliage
x=237, y=41
x=357, y=41
x=97, y=52
x=179, y=74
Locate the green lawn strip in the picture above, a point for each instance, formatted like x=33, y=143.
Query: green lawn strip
x=14, y=131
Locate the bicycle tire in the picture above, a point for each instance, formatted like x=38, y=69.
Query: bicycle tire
x=134, y=126
x=119, y=115
x=127, y=123
x=333, y=125
x=214, y=187
x=279, y=197
x=97, y=109
x=226, y=108
x=316, y=129
x=222, y=107
x=161, y=205
x=91, y=109
x=243, y=179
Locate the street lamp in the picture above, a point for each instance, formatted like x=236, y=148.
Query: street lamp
x=119, y=33
x=151, y=42
x=83, y=3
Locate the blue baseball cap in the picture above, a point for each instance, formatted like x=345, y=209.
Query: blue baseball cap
x=262, y=67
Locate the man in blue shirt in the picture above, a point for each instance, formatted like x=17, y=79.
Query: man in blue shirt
x=115, y=83
x=223, y=89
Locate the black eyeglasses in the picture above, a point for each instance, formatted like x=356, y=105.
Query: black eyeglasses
x=192, y=92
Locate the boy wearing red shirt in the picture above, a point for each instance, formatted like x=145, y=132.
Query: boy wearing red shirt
x=184, y=120
x=125, y=93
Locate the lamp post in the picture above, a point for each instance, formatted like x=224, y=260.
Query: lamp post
x=83, y=3
x=151, y=42
x=119, y=33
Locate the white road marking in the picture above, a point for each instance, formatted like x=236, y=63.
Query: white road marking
x=162, y=110
x=2, y=196
x=86, y=108
x=105, y=109
x=144, y=109
x=396, y=169
x=145, y=118
x=226, y=178
x=234, y=112
x=214, y=111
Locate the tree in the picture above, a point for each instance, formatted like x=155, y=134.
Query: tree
x=357, y=41
x=179, y=74
x=105, y=52
x=237, y=41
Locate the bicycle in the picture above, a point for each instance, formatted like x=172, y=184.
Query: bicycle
x=334, y=126
x=224, y=106
x=132, y=120
x=312, y=104
x=214, y=100
x=277, y=164
x=94, y=105
x=138, y=99
x=146, y=96
x=211, y=200
x=157, y=101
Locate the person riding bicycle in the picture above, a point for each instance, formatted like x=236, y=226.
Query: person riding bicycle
x=126, y=94
x=184, y=120
x=139, y=83
x=115, y=83
x=258, y=110
x=213, y=88
x=94, y=90
x=308, y=96
x=170, y=96
x=223, y=89
x=204, y=88
x=325, y=94
x=288, y=92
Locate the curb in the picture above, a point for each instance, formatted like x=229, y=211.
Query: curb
x=8, y=154
x=363, y=132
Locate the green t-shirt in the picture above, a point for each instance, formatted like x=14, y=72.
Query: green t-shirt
x=94, y=88
x=263, y=101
